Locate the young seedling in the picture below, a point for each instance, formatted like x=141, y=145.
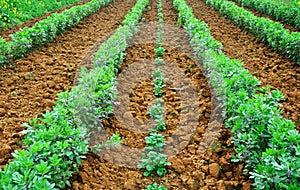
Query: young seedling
x=159, y=51
x=154, y=161
x=155, y=187
x=156, y=110
x=159, y=61
x=155, y=142
x=159, y=82
x=114, y=141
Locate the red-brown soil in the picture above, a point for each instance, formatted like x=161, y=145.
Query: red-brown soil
x=29, y=86
x=6, y=32
x=262, y=62
x=258, y=14
x=190, y=169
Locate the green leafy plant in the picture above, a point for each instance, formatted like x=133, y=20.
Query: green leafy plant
x=114, y=141
x=154, y=186
x=160, y=17
x=154, y=161
x=159, y=82
x=156, y=112
x=159, y=51
x=160, y=124
x=159, y=61
x=155, y=142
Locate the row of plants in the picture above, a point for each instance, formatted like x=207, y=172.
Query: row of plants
x=159, y=51
x=267, y=143
x=14, y=12
x=154, y=161
x=46, y=30
x=273, y=33
x=278, y=10
x=56, y=142
x=159, y=82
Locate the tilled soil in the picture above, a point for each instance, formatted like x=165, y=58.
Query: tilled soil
x=29, y=86
x=258, y=14
x=5, y=33
x=191, y=168
x=268, y=66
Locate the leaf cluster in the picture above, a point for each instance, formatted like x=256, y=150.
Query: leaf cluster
x=154, y=161
x=156, y=112
x=159, y=61
x=159, y=82
x=155, y=142
x=154, y=186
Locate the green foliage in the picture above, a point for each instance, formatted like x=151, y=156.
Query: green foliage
x=154, y=161
x=272, y=33
x=113, y=141
x=155, y=142
x=13, y=12
x=160, y=17
x=159, y=61
x=154, y=186
x=267, y=143
x=156, y=109
x=46, y=30
x=133, y=16
x=159, y=82
x=156, y=112
x=278, y=10
x=159, y=51
x=159, y=13
x=160, y=33
x=54, y=151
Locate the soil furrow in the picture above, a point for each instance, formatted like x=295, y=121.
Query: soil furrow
x=6, y=32
x=190, y=168
x=258, y=14
x=262, y=62
x=29, y=86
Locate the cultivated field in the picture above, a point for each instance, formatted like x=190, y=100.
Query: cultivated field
x=150, y=94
